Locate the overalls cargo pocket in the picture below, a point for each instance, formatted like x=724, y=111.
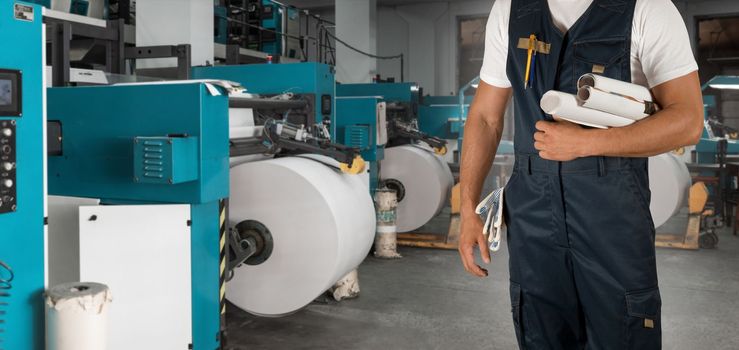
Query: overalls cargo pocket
x=600, y=56
x=643, y=319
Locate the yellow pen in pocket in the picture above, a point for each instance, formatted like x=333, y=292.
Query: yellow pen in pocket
x=532, y=42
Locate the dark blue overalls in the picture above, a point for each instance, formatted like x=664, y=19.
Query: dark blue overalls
x=580, y=233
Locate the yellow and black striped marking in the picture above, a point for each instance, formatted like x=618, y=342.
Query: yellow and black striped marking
x=223, y=218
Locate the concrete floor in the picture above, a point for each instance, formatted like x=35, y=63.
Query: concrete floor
x=426, y=301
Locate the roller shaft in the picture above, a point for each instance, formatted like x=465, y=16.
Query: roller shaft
x=261, y=103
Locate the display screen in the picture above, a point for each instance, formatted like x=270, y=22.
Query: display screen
x=10, y=93
x=6, y=92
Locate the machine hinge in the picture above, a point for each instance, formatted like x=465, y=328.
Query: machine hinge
x=189, y=223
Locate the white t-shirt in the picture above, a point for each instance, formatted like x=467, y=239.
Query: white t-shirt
x=660, y=46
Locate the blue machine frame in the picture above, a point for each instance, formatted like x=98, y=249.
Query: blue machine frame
x=101, y=128
x=406, y=93
x=22, y=228
x=273, y=79
x=356, y=126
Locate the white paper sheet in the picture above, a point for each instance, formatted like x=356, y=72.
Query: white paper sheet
x=615, y=86
x=566, y=106
x=590, y=97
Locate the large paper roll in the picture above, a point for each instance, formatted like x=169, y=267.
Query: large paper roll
x=77, y=316
x=615, y=86
x=566, y=106
x=669, y=182
x=322, y=223
x=593, y=98
x=423, y=181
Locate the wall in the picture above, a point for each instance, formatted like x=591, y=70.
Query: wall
x=356, y=24
x=704, y=8
x=691, y=11
x=427, y=35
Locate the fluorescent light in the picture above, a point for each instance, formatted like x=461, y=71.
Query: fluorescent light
x=724, y=86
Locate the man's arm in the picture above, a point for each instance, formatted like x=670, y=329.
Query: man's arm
x=482, y=133
x=678, y=124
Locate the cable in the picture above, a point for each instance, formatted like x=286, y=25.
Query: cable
x=362, y=52
x=401, y=56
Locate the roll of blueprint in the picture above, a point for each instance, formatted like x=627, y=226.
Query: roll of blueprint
x=422, y=180
x=590, y=97
x=566, y=106
x=669, y=182
x=614, y=86
x=77, y=316
x=322, y=223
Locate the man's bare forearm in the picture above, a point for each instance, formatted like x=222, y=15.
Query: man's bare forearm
x=482, y=133
x=478, y=151
x=663, y=132
x=678, y=124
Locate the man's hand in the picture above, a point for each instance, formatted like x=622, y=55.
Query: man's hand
x=482, y=133
x=560, y=140
x=471, y=236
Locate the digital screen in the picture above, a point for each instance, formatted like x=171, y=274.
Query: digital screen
x=6, y=92
x=10, y=93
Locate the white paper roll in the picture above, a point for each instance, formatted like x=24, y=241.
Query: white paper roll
x=669, y=182
x=426, y=180
x=615, y=86
x=77, y=316
x=593, y=98
x=566, y=106
x=322, y=223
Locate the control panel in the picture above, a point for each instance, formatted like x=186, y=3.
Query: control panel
x=7, y=166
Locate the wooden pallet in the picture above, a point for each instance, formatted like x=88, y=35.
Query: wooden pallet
x=449, y=241
x=688, y=240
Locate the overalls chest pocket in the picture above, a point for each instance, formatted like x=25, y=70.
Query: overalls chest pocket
x=606, y=57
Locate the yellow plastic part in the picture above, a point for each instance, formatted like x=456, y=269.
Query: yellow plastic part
x=440, y=151
x=358, y=165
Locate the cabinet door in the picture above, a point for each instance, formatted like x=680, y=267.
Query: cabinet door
x=142, y=253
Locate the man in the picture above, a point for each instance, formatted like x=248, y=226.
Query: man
x=580, y=234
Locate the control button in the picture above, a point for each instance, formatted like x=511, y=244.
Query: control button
x=7, y=132
x=8, y=166
x=8, y=183
x=6, y=149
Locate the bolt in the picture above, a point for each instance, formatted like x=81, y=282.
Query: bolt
x=13, y=207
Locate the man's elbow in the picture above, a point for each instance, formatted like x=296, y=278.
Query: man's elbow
x=694, y=131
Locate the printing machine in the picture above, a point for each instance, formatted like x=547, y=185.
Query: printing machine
x=714, y=132
x=265, y=26
x=403, y=102
x=361, y=123
x=309, y=84
x=22, y=198
x=165, y=149
x=90, y=8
